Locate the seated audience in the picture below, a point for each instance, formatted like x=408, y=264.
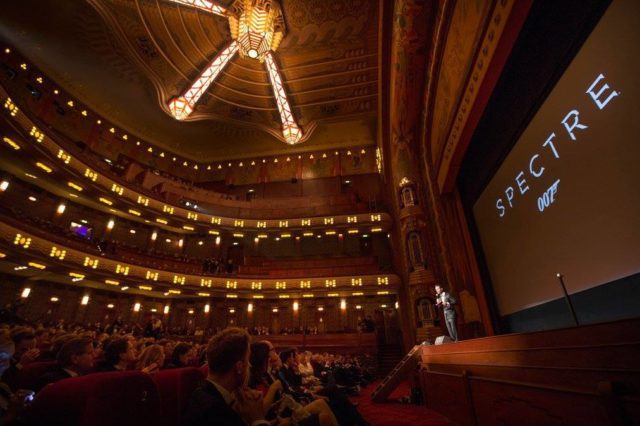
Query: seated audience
x=25, y=352
x=151, y=359
x=182, y=356
x=344, y=410
x=118, y=355
x=12, y=405
x=223, y=398
x=74, y=359
x=314, y=413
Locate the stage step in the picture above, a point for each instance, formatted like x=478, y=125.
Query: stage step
x=397, y=375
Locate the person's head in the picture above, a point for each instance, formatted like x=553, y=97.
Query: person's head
x=288, y=357
x=228, y=355
x=42, y=337
x=24, y=340
x=58, y=342
x=168, y=347
x=182, y=354
x=76, y=354
x=119, y=351
x=150, y=355
x=7, y=349
x=259, y=358
x=439, y=289
x=274, y=359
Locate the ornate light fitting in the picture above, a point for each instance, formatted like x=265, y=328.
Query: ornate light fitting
x=204, y=5
x=182, y=106
x=257, y=27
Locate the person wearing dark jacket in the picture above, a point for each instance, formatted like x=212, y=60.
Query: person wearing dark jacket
x=118, y=355
x=223, y=398
x=74, y=359
x=447, y=302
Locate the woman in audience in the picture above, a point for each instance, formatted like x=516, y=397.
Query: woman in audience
x=306, y=369
x=182, y=356
x=118, y=355
x=315, y=413
x=151, y=359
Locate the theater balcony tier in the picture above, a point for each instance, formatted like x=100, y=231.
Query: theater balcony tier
x=30, y=152
x=164, y=193
x=24, y=250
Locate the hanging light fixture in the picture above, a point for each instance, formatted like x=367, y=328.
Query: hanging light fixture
x=257, y=28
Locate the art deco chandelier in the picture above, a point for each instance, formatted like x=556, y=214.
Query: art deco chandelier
x=257, y=27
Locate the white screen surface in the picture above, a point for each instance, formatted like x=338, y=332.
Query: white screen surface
x=567, y=197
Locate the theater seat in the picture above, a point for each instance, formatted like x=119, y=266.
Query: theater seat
x=127, y=398
x=204, y=370
x=31, y=373
x=175, y=387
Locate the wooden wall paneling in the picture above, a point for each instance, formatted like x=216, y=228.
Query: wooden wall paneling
x=448, y=394
x=505, y=402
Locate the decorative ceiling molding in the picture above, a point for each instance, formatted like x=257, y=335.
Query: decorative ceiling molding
x=336, y=80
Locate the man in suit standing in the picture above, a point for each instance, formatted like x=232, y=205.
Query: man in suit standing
x=447, y=302
x=224, y=398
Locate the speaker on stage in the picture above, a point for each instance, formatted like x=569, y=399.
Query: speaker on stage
x=443, y=339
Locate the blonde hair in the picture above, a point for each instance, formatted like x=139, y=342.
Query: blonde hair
x=149, y=355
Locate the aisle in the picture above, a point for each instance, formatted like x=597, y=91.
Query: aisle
x=396, y=414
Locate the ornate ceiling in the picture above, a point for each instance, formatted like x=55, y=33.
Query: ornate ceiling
x=127, y=58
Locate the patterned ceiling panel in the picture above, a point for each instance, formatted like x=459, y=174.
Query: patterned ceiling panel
x=328, y=60
x=126, y=58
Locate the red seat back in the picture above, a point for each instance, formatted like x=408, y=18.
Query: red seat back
x=175, y=387
x=204, y=370
x=31, y=373
x=127, y=398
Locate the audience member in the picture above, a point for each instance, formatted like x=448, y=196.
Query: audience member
x=118, y=355
x=11, y=404
x=24, y=341
x=151, y=359
x=74, y=359
x=182, y=356
x=223, y=398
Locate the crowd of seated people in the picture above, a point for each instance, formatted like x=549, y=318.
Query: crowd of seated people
x=119, y=250
x=311, y=388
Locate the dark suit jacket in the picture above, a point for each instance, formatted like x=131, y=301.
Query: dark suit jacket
x=51, y=377
x=450, y=311
x=11, y=376
x=207, y=407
